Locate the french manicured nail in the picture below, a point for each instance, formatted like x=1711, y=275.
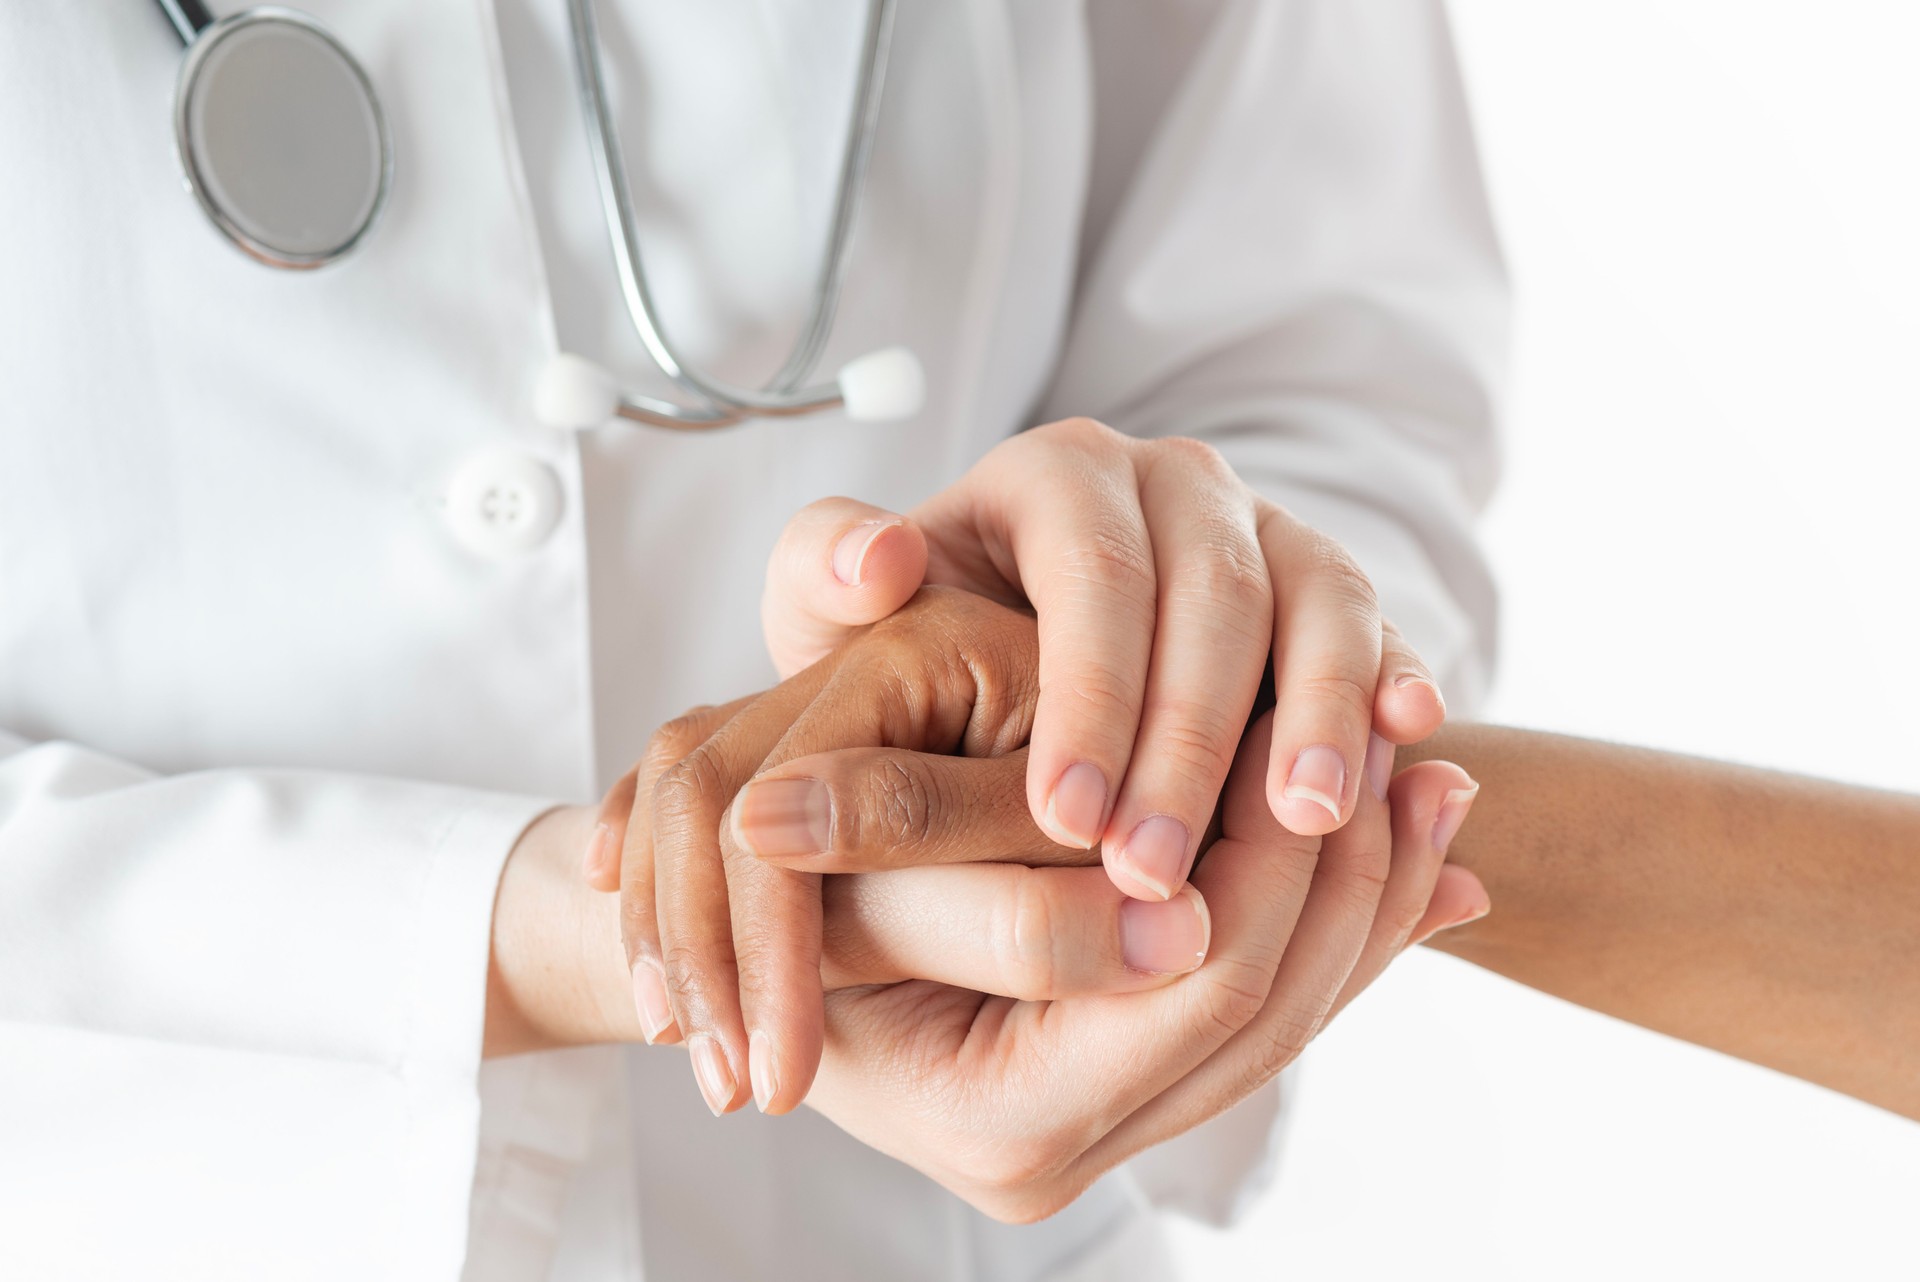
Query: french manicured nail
x=850, y=553
x=1165, y=937
x=710, y=1069
x=1472, y=914
x=760, y=1069
x=1453, y=813
x=1406, y=679
x=1155, y=855
x=650, y=999
x=1320, y=776
x=1077, y=810
x=598, y=847
x=784, y=818
x=1379, y=767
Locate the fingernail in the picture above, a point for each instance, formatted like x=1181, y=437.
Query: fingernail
x=850, y=553
x=1077, y=810
x=1453, y=813
x=1320, y=776
x=1379, y=767
x=710, y=1069
x=1165, y=938
x=1470, y=915
x=1406, y=679
x=760, y=1069
x=780, y=818
x=650, y=999
x=597, y=851
x=1155, y=854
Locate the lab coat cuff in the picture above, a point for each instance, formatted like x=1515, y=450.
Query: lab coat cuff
x=446, y=1000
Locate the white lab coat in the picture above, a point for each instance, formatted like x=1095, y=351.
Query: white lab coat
x=269, y=730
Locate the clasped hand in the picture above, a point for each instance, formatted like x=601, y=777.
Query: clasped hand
x=994, y=1011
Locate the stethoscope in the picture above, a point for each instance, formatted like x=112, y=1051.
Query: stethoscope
x=282, y=141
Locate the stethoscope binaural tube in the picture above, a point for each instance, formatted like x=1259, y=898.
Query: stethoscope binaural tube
x=887, y=384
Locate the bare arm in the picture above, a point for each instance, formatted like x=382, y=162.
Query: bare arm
x=1772, y=917
x=556, y=976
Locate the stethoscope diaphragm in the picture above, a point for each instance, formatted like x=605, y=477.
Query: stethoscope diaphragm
x=281, y=138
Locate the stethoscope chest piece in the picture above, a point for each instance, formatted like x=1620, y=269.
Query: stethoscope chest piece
x=281, y=138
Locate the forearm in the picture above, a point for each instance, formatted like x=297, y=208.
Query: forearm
x=556, y=975
x=1772, y=917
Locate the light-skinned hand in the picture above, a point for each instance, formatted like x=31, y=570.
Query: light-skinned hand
x=1164, y=587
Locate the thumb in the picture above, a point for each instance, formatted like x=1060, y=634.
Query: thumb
x=839, y=564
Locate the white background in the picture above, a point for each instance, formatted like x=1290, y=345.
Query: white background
x=1706, y=538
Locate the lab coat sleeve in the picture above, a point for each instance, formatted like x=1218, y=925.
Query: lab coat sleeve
x=258, y=993
x=1289, y=254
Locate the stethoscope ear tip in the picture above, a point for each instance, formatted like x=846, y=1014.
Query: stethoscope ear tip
x=883, y=386
x=574, y=394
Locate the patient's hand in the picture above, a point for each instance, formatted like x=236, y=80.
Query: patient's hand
x=1018, y=1101
x=963, y=1085
x=1018, y=1106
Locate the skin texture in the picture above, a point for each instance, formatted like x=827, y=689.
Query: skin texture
x=979, y=1076
x=1772, y=917
x=723, y=933
x=1164, y=588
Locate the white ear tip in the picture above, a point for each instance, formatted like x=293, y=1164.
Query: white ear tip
x=573, y=393
x=883, y=386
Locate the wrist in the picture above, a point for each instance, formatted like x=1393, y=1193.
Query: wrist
x=557, y=974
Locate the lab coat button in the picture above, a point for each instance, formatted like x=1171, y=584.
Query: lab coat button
x=502, y=502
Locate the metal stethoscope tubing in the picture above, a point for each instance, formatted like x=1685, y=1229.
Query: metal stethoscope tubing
x=887, y=384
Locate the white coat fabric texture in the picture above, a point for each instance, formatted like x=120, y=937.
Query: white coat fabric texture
x=270, y=731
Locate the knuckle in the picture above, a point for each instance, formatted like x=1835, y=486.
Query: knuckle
x=1342, y=576
x=687, y=966
x=1111, y=556
x=759, y=944
x=902, y=804
x=1105, y=695
x=1234, y=992
x=1229, y=572
x=1081, y=432
x=674, y=741
x=637, y=924
x=1347, y=695
x=1398, y=922
x=1189, y=450
x=691, y=785
x=1281, y=1042
x=1194, y=742
x=1362, y=873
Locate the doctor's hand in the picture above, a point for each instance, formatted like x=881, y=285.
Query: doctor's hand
x=558, y=976
x=720, y=876
x=1163, y=586
x=1016, y=1068
x=1018, y=1106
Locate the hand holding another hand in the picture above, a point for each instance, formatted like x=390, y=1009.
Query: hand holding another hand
x=1164, y=587
x=1047, y=1033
